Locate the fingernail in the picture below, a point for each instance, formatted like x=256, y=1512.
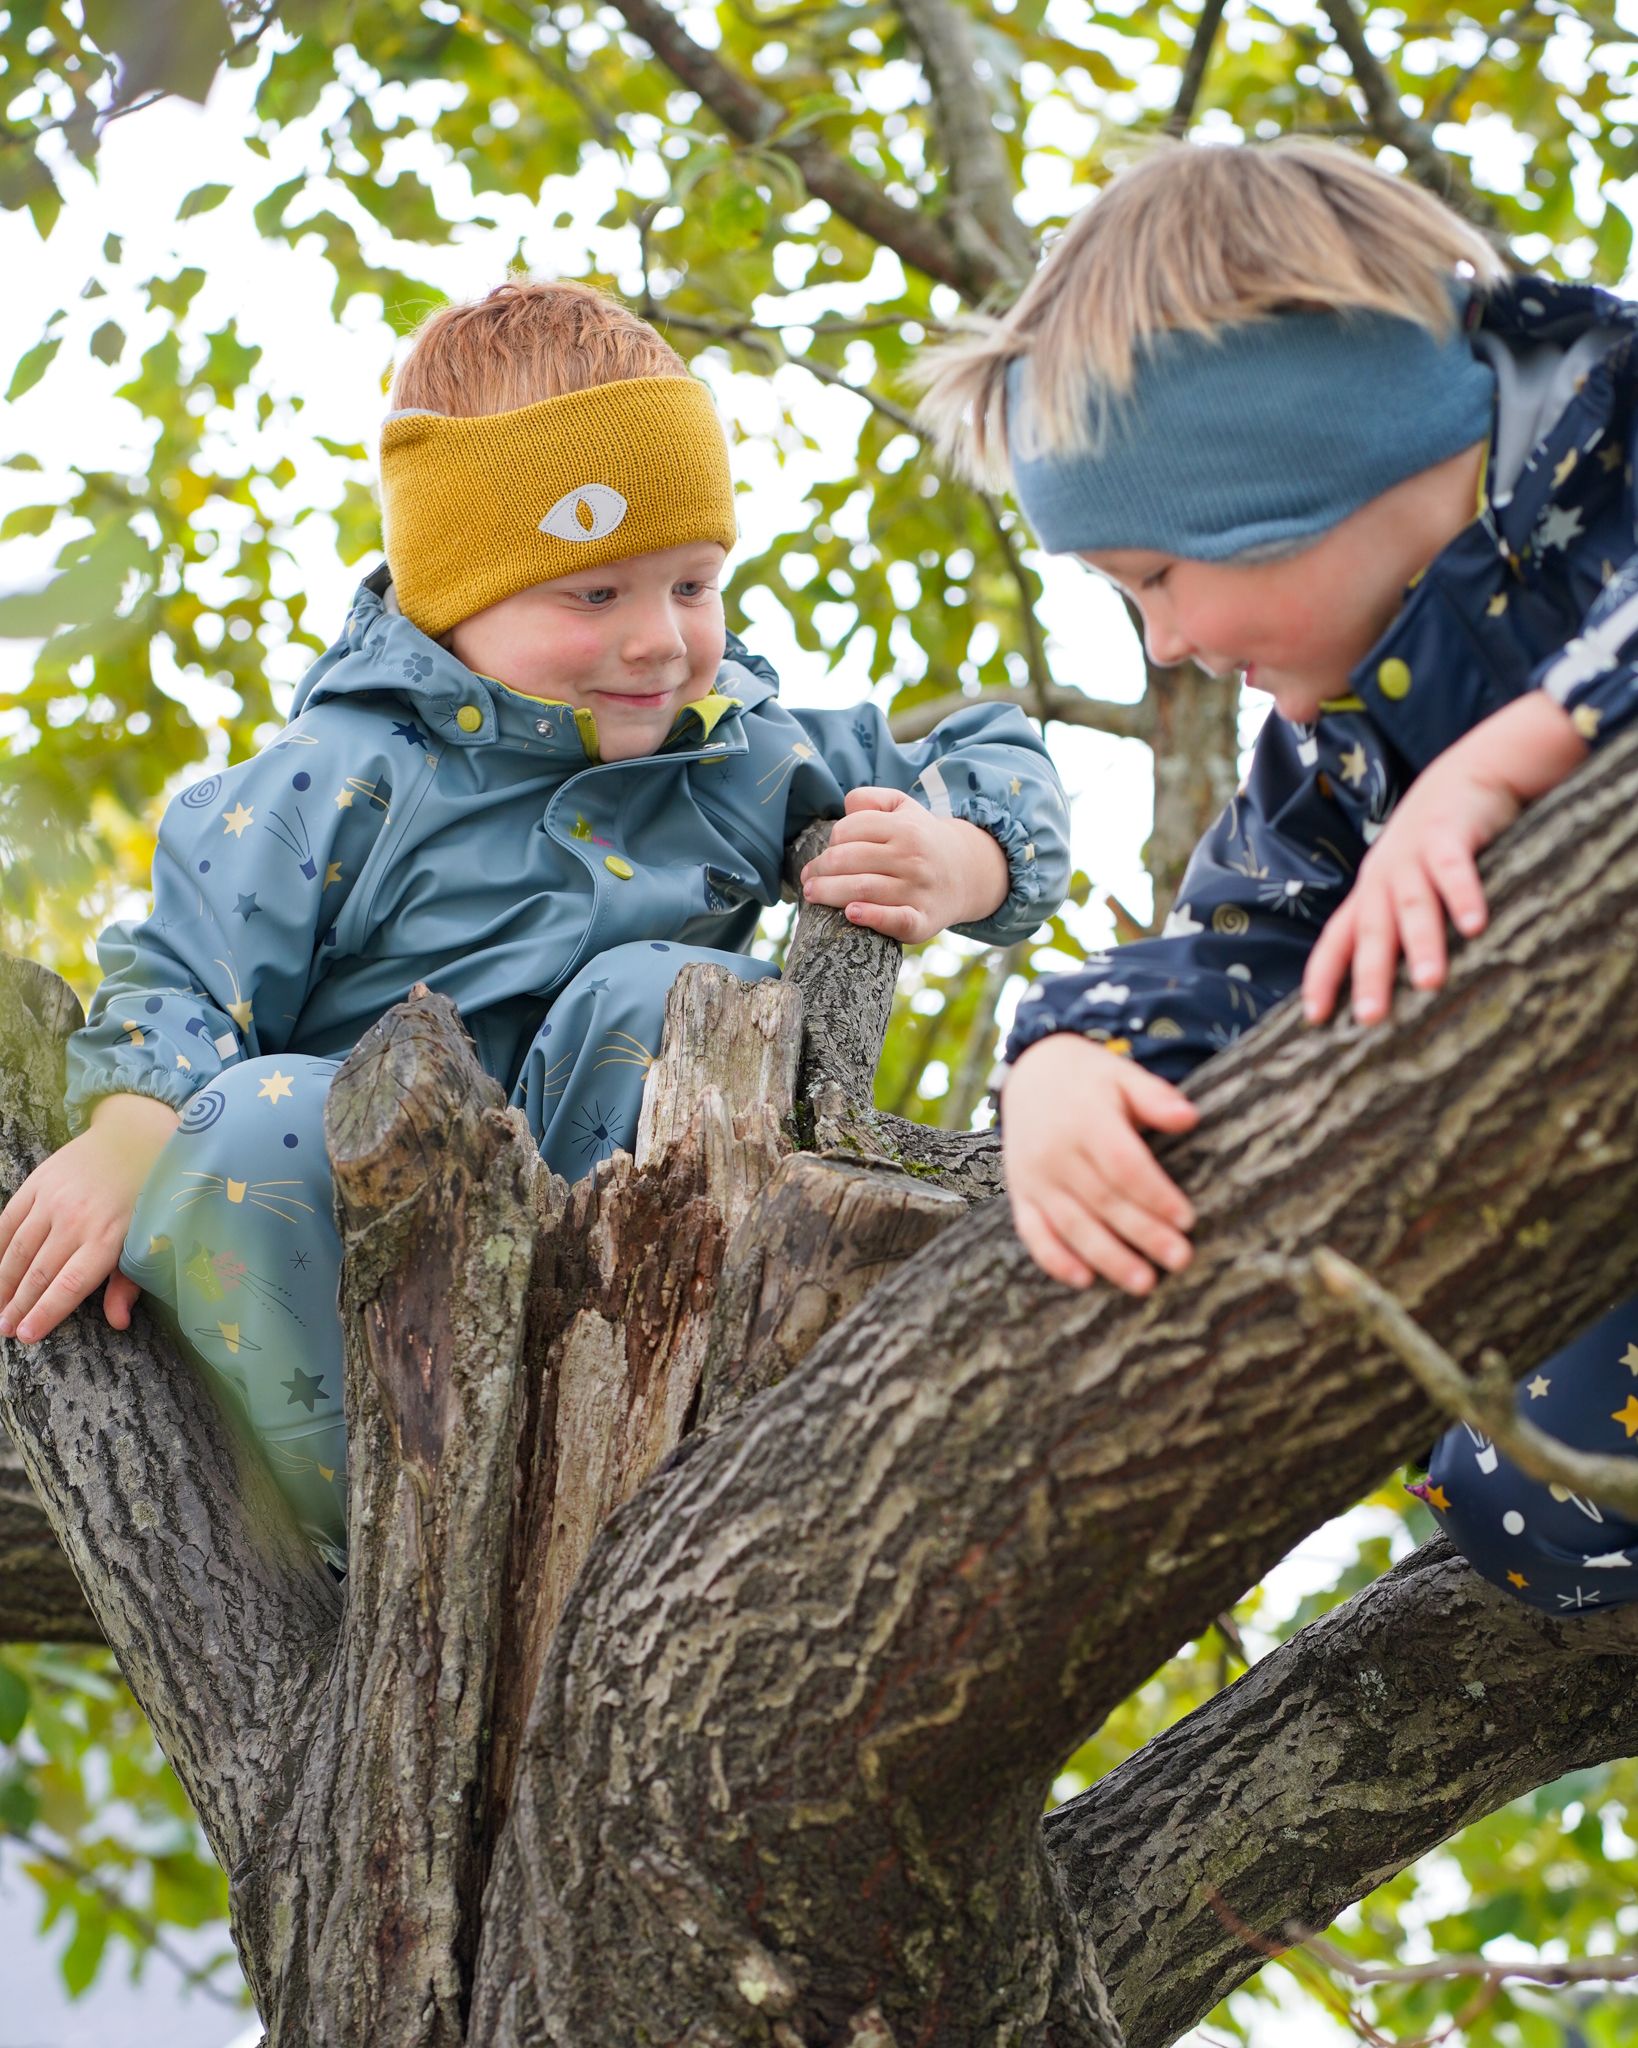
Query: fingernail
x=1177, y=1258
x=7, y=1326
x=1311, y=1013
x=1424, y=974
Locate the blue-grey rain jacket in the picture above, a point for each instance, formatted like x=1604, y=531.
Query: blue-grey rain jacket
x=1539, y=592
x=417, y=822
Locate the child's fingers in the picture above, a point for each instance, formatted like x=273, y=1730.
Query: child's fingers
x=1156, y=1102
x=1046, y=1247
x=870, y=797
x=1376, y=950
x=11, y=1216
x=21, y=1253
x=1456, y=877
x=119, y=1297
x=863, y=857
x=868, y=887
x=862, y=828
x=1143, y=1231
x=1125, y=1164
x=1421, y=930
x=75, y=1271
x=1095, y=1243
x=1327, y=964
x=894, y=920
x=21, y=1316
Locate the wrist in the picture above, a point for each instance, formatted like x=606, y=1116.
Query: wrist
x=985, y=877
x=134, y=1114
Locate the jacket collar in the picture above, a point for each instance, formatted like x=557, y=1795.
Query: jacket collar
x=1456, y=616
x=379, y=650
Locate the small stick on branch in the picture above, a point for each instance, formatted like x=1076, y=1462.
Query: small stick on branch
x=1589, y=1970
x=1484, y=1403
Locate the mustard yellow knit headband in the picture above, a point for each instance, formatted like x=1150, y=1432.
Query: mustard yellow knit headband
x=477, y=509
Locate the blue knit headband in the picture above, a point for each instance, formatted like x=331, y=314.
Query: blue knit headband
x=1255, y=439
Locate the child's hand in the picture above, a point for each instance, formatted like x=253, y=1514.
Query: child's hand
x=61, y=1233
x=1423, y=865
x=893, y=866
x=1087, y=1193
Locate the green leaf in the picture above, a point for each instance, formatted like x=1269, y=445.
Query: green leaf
x=161, y=45
x=201, y=200
x=25, y=519
x=19, y=1804
x=112, y=248
x=32, y=366
x=13, y=1704
x=108, y=343
x=84, y=1952
x=174, y=295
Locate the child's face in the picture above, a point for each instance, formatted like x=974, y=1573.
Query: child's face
x=632, y=642
x=1298, y=627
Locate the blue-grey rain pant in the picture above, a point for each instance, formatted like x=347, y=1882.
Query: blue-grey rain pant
x=1549, y=1547
x=234, y=1238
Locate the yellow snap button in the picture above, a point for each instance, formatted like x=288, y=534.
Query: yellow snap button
x=469, y=718
x=617, y=866
x=1393, y=679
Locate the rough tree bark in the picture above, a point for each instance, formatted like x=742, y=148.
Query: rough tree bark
x=721, y=1603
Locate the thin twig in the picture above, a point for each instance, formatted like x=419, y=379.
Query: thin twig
x=1506, y=27
x=1063, y=705
x=1390, y=123
x=1589, y=1970
x=751, y=115
x=1194, y=70
x=602, y=122
x=983, y=218
x=195, y=1975
x=1485, y=1402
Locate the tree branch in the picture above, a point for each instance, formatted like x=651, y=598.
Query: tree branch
x=1429, y=165
x=981, y=214
x=1376, y=1733
x=1194, y=70
x=1059, y=703
x=1485, y=1403
x=1018, y=1496
x=752, y=116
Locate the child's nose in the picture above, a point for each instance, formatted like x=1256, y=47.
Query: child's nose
x=1165, y=644
x=654, y=637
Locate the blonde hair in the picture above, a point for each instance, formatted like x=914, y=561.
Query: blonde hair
x=523, y=342
x=1197, y=237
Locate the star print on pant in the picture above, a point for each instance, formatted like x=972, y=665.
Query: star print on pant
x=581, y=1083
x=1551, y=1548
x=234, y=1246
x=233, y=1240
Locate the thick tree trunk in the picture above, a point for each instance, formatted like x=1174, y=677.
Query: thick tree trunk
x=761, y=1760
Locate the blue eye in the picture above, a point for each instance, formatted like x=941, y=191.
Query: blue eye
x=596, y=598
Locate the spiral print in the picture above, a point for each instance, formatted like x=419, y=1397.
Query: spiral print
x=202, y=1111
x=1231, y=920
x=203, y=794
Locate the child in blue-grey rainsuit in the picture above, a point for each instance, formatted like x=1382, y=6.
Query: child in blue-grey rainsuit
x=1298, y=414
x=532, y=772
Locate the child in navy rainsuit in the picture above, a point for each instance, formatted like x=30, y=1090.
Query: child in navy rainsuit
x=536, y=774
x=1297, y=412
